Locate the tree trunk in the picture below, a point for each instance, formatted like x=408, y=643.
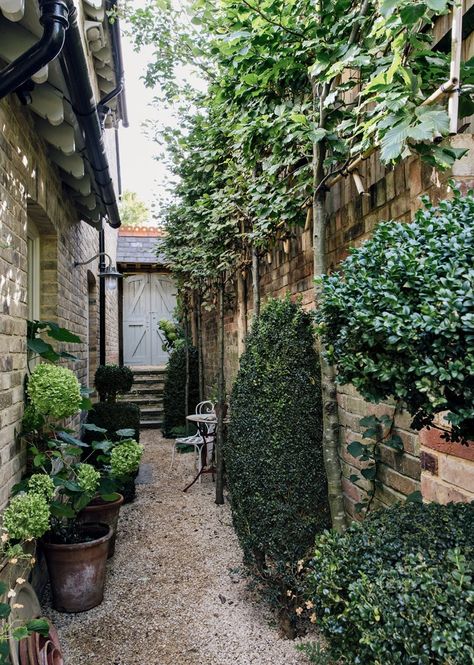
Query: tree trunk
x=221, y=402
x=255, y=284
x=199, y=345
x=186, y=347
x=328, y=384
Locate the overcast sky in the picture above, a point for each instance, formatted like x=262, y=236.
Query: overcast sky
x=141, y=173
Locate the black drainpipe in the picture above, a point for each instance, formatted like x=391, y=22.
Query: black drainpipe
x=118, y=61
x=54, y=19
x=102, y=355
x=74, y=66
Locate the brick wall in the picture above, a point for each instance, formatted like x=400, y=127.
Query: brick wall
x=390, y=194
x=30, y=189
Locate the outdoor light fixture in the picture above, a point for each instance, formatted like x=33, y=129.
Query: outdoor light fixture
x=109, y=273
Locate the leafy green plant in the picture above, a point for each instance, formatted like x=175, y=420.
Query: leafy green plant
x=111, y=418
x=38, y=346
x=41, y=484
x=54, y=392
x=27, y=516
x=113, y=380
x=173, y=333
x=397, y=588
x=273, y=455
x=398, y=318
x=125, y=458
x=175, y=386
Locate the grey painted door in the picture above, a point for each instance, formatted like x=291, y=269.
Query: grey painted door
x=147, y=298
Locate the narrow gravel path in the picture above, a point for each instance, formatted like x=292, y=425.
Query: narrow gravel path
x=174, y=593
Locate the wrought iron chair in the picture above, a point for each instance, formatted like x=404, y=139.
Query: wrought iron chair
x=197, y=440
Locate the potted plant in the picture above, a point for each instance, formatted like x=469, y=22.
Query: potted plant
x=26, y=518
x=76, y=552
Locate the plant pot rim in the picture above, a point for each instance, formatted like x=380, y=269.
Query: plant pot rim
x=98, y=503
x=81, y=546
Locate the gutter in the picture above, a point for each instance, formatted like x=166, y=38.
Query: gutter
x=75, y=71
x=118, y=61
x=54, y=19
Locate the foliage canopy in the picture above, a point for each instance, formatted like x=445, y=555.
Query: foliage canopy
x=398, y=319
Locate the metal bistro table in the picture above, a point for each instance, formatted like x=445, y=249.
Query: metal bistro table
x=201, y=421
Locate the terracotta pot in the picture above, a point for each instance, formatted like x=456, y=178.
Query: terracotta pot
x=105, y=512
x=77, y=571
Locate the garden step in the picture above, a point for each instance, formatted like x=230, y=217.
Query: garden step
x=150, y=423
x=147, y=401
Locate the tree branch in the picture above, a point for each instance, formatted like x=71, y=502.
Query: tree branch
x=269, y=20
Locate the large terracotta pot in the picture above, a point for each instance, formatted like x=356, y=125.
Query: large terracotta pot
x=105, y=512
x=77, y=571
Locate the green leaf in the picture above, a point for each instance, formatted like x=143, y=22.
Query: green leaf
x=369, y=473
x=415, y=497
x=356, y=449
x=91, y=427
x=72, y=440
x=20, y=633
x=353, y=478
x=39, y=346
x=5, y=608
x=395, y=442
x=60, y=510
x=437, y=6
x=61, y=334
x=411, y=13
x=126, y=432
x=40, y=626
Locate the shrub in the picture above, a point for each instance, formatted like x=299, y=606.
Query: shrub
x=113, y=417
x=54, y=391
x=273, y=455
x=398, y=318
x=125, y=458
x=26, y=517
x=397, y=589
x=112, y=380
x=175, y=386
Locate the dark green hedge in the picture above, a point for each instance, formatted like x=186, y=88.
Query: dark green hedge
x=273, y=455
x=113, y=417
x=113, y=380
x=174, y=389
x=397, y=589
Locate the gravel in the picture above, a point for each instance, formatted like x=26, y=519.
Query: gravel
x=175, y=594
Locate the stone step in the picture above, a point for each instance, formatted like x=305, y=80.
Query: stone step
x=147, y=401
x=150, y=423
x=150, y=413
x=146, y=372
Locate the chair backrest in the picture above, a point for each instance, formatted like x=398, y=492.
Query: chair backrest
x=205, y=407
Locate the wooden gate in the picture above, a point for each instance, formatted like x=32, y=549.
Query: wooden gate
x=147, y=298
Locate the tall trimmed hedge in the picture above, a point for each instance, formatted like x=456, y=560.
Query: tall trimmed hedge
x=273, y=454
x=398, y=588
x=174, y=389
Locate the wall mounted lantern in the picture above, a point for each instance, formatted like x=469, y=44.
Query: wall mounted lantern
x=108, y=273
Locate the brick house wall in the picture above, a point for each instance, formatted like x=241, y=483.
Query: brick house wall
x=31, y=192
x=391, y=194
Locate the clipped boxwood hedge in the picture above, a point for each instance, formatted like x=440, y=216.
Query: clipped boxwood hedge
x=174, y=389
x=113, y=380
x=397, y=589
x=113, y=417
x=273, y=455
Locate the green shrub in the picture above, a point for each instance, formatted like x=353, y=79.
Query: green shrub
x=399, y=317
x=26, y=517
x=113, y=417
x=273, y=455
x=125, y=458
x=174, y=389
x=113, y=380
x=397, y=589
x=54, y=391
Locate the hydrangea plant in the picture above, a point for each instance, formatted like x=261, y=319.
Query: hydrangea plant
x=41, y=484
x=125, y=458
x=54, y=391
x=88, y=478
x=26, y=517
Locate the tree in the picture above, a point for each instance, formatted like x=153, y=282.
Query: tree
x=295, y=92
x=133, y=212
